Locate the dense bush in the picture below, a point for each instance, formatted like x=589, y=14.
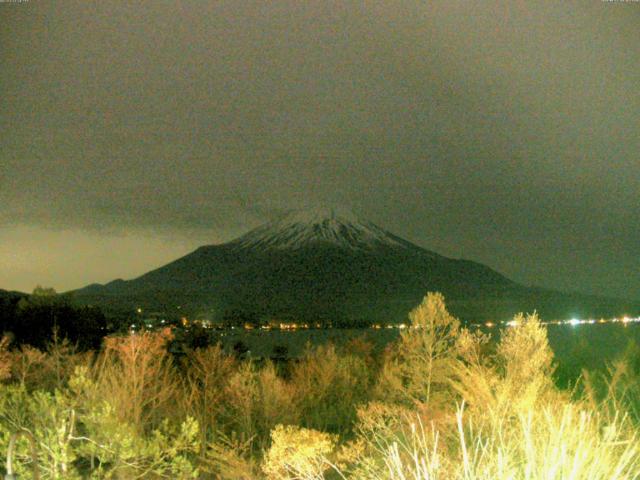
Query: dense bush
x=441, y=403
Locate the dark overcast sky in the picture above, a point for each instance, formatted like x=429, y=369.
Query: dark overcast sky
x=504, y=132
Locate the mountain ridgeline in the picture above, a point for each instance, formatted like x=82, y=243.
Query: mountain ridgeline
x=332, y=268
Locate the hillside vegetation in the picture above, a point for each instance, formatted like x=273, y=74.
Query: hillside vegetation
x=441, y=403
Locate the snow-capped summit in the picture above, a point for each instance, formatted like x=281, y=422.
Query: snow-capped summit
x=332, y=226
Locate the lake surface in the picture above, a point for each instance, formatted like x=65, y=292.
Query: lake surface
x=582, y=346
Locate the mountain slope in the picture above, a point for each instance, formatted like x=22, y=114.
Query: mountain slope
x=329, y=266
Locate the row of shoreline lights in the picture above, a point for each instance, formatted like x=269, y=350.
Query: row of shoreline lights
x=489, y=324
x=510, y=323
x=572, y=322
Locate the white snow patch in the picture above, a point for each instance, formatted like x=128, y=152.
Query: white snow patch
x=333, y=226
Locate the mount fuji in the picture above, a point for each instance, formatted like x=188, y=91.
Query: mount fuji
x=330, y=266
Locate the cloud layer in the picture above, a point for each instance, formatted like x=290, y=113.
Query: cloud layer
x=505, y=132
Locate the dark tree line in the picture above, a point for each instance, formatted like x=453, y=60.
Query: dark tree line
x=32, y=319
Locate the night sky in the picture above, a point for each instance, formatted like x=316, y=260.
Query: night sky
x=503, y=132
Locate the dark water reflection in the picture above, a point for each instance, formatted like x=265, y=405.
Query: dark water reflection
x=575, y=347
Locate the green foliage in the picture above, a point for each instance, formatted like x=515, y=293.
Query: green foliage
x=438, y=405
x=617, y=388
x=47, y=417
x=419, y=369
x=514, y=423
x=298, y=453
x=329, y=387
x=78, y=436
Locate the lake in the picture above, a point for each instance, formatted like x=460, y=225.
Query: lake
x=582, y=346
